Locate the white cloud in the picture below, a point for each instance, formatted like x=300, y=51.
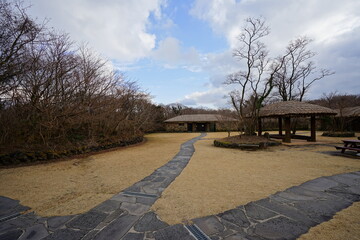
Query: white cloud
x=173, y=55
x=117, y=29
x=322, y=20
x=211, y=98
x=334, y=26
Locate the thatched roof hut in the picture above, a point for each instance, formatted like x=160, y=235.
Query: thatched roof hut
x=294, y=109
x=290, y=109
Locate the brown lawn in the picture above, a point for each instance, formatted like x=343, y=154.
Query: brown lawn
x=218, y=179
x=75, y=186
x=215, y=180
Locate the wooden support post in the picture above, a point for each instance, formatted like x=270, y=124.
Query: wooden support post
x=259, y=127
x=313, y=129
x=287, y=137
x=280, y=126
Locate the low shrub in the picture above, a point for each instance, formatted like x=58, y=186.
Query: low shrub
x=20, y=157
x=339, y=134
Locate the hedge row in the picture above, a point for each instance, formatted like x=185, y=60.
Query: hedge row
x=338, y=134
x=249, y=146
x=20, y=157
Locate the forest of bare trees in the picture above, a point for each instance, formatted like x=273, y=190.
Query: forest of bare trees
x=54, y=95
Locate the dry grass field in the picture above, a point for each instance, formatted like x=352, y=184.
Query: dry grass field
x=215, y=180
x=75, y=186
x=218, y=179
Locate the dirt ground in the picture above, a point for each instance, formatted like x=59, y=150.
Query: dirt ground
x=75, y=186
x=218, y=179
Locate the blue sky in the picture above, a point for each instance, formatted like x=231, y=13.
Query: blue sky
x=181, y=51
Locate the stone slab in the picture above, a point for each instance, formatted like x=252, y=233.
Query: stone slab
x=348, y=179
x=68, y=234
x=57, y=221
x=134, y=236
x=34, y=232
x=9, y=207
x=11, y=235
x=280, y=228
x=107, y=206
x=113, y=216
x=258, y=213
x=235, y=216
x=149, y=222
x=355, y=189
x=287, y=211
x=20, y=222
x=123, y=198
x=146, y=201
x=209, y=225
x=135, y=208
x=320, y=211
x=319, y=184
x=87, y=221
x=175, y=232
x=90, y=235
x=117, y=228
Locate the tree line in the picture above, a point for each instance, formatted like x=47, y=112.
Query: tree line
x=54, y=94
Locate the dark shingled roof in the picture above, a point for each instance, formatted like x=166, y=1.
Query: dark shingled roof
x=294, y=108
x=200, y=118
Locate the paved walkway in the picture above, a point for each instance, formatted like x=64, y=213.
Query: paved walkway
x=284, y=215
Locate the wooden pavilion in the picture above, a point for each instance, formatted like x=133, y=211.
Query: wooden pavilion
x=292, y=109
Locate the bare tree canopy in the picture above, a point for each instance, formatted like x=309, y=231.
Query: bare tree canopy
x=298, y=71
x=255, y=82
x=54, y=95
x=291, y=74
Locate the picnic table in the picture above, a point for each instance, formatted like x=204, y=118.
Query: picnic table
x=353, y=145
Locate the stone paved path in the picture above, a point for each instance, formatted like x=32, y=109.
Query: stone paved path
x=125, y=216
x=284, y=215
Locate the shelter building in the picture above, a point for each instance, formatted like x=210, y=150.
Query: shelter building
x=292, y=109
x=348, y=118
x=200, y=123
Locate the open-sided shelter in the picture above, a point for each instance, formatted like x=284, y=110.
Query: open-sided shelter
x=348, y=118
x=200, y=123
x=291, y=109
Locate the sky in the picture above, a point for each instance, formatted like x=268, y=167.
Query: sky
x=181, y=51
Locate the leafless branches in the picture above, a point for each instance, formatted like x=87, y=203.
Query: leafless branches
x=298, y=71
x=56, y=95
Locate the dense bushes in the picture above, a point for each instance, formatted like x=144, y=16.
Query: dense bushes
x=339, y=134
x=55, y=97
x=20, y=157
x=245, y=145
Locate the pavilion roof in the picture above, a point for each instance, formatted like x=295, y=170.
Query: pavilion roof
x=295, y=109
x=200, y=118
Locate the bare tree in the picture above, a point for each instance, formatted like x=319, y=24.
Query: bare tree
x=298, y=71
x=17, y=31
x=55, y=96
x=255, y=82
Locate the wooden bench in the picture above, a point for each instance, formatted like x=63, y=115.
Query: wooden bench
x=347, y=148
x=353, y=145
